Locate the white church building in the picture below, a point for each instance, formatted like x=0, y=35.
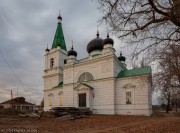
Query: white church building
x=100, y=81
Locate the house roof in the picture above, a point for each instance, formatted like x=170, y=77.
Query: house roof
x=17, y=101
x=134, y=72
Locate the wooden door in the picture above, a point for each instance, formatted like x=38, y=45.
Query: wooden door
x=82, y=100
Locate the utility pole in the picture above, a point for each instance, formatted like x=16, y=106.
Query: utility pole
x=17, y=92
x=12, y=98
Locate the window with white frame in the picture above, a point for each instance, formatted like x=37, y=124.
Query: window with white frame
x=128, y=98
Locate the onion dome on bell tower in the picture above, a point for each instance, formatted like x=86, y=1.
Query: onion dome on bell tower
x=59, y=18
x=108, y=40
x=95, y=44
x=121, y=58
x=72, y=52
x=47, y=50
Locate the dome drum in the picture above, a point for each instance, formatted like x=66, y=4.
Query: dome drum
x=95, y=52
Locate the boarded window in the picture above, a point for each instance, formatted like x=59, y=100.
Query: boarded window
x=128, y=98
x=50, y=101
x=18, y=107
x=60, y=101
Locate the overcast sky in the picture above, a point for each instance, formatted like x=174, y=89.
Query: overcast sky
x=27, y=26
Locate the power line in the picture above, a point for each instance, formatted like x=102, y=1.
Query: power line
x=3, y=57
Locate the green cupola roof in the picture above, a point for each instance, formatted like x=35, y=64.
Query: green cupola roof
x=59, y=36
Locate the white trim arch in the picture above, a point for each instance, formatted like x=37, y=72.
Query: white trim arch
x=60, y=93
x=85, y=76
x=50, y=95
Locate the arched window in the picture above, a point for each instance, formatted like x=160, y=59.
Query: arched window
x=65, y=61
x=86, y=76
x=51, y=63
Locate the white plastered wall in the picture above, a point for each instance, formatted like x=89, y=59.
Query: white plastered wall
x=55, y=98
x=138, y=86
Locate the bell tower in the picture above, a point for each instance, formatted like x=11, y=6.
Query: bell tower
x=54, y=59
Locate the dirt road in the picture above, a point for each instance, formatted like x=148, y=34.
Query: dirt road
x=161, y=123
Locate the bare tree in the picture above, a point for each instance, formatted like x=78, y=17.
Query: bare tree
x=167, y=79
x=152, y=28
x=175, y=99
x=145, y=24
x=169, y=62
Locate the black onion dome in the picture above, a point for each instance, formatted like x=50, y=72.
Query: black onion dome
x=95, y=44
x=72, y=52
x=59, y=17
x=108, y=41
x=121, y=58
x=47, y=50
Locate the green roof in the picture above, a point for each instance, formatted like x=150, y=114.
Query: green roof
x=59, y=38
x=59, y=85
x=134, y=72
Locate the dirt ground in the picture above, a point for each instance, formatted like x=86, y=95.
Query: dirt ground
x=159, y=123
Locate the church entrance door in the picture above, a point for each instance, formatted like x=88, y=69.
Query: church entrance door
x=82, y=100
